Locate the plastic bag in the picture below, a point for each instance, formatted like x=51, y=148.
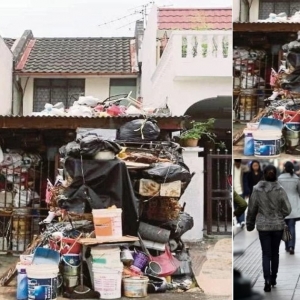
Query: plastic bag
x=139, y=130
x=92, y=144
x=179, y=226
x=167, y=172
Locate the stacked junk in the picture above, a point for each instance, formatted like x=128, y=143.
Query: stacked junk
x=115, y=221
x=277, y=129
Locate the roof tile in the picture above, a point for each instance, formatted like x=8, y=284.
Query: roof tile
x=79, y=55
x=193, y=19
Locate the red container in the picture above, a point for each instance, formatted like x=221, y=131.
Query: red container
x=287, y=116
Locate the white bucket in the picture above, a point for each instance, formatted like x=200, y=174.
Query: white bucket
x=108, y=282
x=267, y=143
x=106, y=257
x=135, y=287
x=107, y=222
x=42, y=281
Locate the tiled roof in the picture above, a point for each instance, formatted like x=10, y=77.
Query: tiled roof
x=192, y=19
x=77, y=56
x=9, y=42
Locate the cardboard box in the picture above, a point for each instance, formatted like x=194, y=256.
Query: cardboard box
x=171, y=189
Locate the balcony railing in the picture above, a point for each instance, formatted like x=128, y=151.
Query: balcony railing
x=197, y=53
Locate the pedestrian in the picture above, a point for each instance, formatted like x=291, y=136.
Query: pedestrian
x=239, y=171
x=291, y=184
x=252, y=178
x=267, y=208
x=240, y=204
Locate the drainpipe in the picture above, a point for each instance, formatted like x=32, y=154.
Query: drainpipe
x=245, y=11
x=12, y=88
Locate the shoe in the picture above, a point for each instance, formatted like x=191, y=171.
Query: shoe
x=238, y=225
x=243, y=224
x=291, y=250
x=273, y=282
x=267, y=287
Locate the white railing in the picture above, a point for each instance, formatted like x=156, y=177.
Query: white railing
x=195, y=46
x=203, y=44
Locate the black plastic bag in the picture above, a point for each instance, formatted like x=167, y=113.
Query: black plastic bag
x=90, y=145
x=139, y=130
x=293, y=59
x=179, y=226
x=71, y=149
x=292, y=81
x=167, y=172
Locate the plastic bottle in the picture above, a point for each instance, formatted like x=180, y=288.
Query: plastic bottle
x=22, y=283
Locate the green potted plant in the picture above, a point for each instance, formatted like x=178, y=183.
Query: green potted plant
x=190, y=137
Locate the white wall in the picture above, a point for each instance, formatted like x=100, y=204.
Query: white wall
x=149, y=54
x=254, y=11
x=194, y=194
x=97, y=87
x=6, y=77
x=236, y=10
x=27, y=86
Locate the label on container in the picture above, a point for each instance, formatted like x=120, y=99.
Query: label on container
x=267, y=147
x=42, y=289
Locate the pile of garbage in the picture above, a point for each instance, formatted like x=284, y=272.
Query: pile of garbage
x=89, y=106
x=282, y=18
x=108, y=190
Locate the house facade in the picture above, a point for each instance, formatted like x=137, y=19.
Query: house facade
x=52, y=70
x=180, y=51
x=6, y=71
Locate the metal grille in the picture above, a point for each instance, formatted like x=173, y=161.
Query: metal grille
x=56, y=90
x=267, y=7
x=219, y=202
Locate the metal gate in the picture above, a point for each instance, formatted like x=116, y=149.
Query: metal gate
x=219, y=194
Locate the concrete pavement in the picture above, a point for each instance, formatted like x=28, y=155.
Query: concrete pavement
x=248, y=261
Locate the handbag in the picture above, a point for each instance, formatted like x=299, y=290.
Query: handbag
x=286, y=235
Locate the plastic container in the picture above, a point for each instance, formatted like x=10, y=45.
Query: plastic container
x=22, y=282
x=107, y=222
x=140, y=260
x=108, y=282
x=135, y=287
x=267, y=143
x=42, y=281
x=248, y=143
x=103, y=257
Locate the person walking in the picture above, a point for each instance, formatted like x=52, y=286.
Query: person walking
x=252, y=178
x=267, y=208
x=239, y=171
x=291, y=184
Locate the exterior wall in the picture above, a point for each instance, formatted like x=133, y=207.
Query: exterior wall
x=6, y=78
x=94, y=86
x=236, y=10
x=149, y=54
x=254, y=11
x=97, y=87
x=194, y=194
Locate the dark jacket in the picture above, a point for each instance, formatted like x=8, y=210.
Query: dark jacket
x=241, y=205
x=268, y=206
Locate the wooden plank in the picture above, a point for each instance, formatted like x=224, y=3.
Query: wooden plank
x=108, y=240
x=266, y=27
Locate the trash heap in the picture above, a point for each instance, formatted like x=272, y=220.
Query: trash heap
x=89, y=106
x=282, y=112
x=115, y=222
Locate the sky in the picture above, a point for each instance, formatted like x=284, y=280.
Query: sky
x=82, y=18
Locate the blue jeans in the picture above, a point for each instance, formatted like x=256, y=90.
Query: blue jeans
x=291, y=223
x=270, y=242
x=241, y=218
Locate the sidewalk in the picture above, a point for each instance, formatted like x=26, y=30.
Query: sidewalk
x=248, y=261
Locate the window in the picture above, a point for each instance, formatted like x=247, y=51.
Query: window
x=122, y=86
x=56, y=90
x=278, y=6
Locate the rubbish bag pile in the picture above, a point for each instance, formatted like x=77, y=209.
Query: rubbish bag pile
x=109, y=190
